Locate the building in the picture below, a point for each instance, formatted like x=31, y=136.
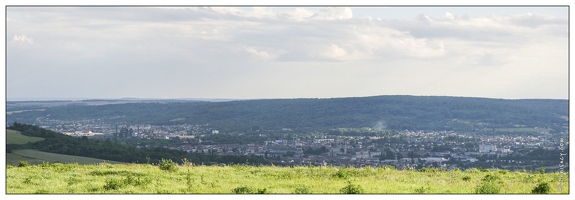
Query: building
x=483, y=148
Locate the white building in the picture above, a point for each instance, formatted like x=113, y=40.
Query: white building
x=486, y=148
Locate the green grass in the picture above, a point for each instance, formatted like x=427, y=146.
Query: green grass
x=38, y=157
x=150, y=179
x=15, y=137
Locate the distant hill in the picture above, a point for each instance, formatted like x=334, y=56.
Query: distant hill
x=386, y=112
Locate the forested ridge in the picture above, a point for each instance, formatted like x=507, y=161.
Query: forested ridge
x=110, y=149
x=389, y=112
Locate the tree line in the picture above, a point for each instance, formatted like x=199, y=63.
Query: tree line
x=110, y=149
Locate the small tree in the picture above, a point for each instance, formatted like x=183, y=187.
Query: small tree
x=351, y=188
x=168, y=165
x=541, y=188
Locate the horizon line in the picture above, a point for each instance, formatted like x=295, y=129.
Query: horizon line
x=255, y=98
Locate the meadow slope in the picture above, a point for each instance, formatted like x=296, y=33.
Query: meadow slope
x=105, y=178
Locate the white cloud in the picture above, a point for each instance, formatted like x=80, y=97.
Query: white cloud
x=22, y=39
x=335, y=52
x=449, y=15
x=259, y=55
x=298, y=14
x=333, y=13
x=170, y=47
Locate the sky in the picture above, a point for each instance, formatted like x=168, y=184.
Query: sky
x=286, y=52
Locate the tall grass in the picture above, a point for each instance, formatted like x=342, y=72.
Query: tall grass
x=151, y=179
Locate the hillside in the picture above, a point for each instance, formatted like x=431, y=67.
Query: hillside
x=151, y=179
x=38, y=157
x=111, y=150
x=14, y=157
x=15, y=137
x=387, y=112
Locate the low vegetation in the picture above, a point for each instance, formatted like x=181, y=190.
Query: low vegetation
x=169, y=178
x=15, y=137
x=38, y=157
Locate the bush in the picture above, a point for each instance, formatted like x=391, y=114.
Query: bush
x=113, y=184
x=491, y=177
x=466, y=178
x=249, y=190
x=186, y=162
x=420, y=190
x=487, y=187
x=242, y=190
x=429, y=169
x=302, y=190
x=23, y=164
x=351, y=189
x=136, y=181
x=342, y=173
x=262, y=191
x=541, y=188
x=168, y=165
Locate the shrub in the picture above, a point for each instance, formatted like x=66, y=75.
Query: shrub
x=491, y=177
x=420, y=190
x=466, y=178
x=46, y=165
x=342, y=173
x=262, y=191
x=302, y=190
x=487, y=187
x=541, y=188
x=186, y=162
x=23, y=164
x=351, y=189
x=113, y=184
x=136, y=181
x=189, y=180
x=390, y=167
x=168, y=165
x=73, y=180
x=242, y=190
x=429, y=169
x=249, y=190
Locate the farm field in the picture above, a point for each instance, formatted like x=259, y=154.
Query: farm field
x=38, y=157
x=15, y=137
x=105, y=178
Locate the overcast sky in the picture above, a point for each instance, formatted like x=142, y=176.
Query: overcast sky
x=286, y=52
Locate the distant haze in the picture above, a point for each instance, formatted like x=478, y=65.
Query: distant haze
x=285, y=52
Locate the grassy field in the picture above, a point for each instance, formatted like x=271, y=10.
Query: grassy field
x=150, y=179
x=38, y=157
x=15, y=137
